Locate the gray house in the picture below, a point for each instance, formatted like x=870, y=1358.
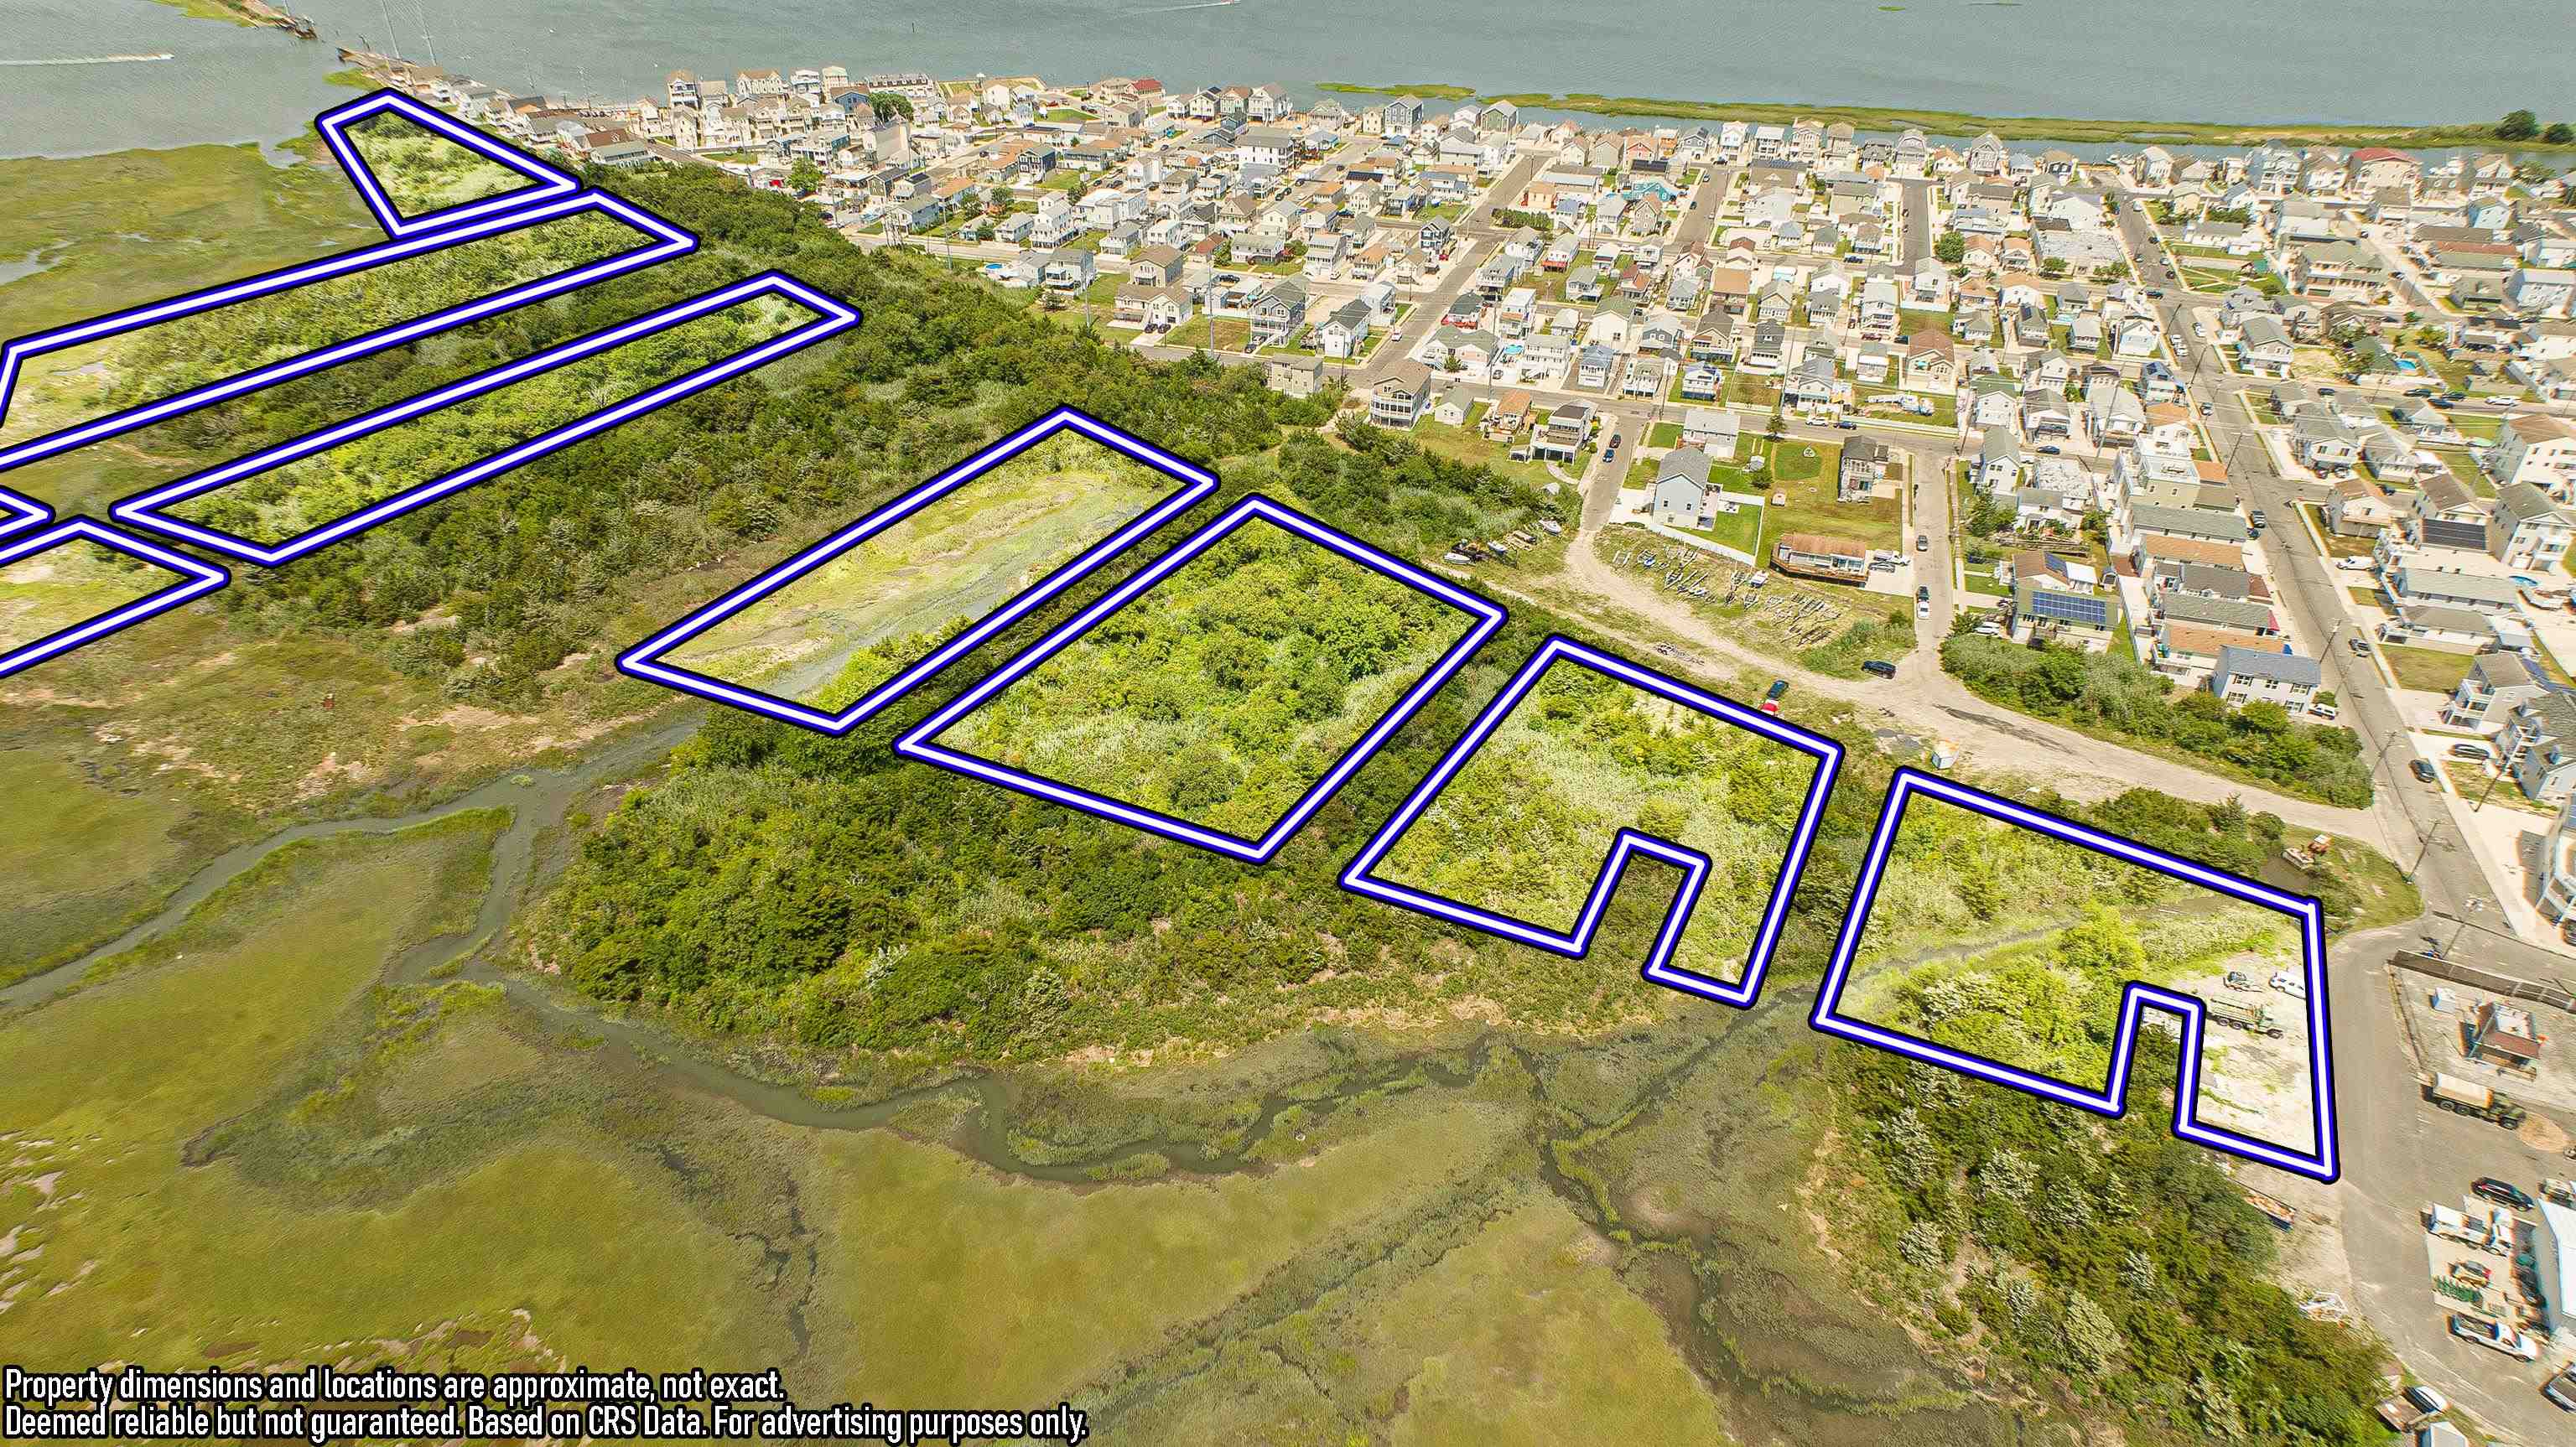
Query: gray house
x=1681, y=489
x=2250, y=675
x=2539, y=743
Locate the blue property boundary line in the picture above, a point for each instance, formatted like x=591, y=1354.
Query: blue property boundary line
x=668, y=241
x=197, y=579
x=2322, y=1163
x=1695, y=865
x=544, y=181
x=644, y=659
x=145, y=508
x=17, y=510
x=1489, y=616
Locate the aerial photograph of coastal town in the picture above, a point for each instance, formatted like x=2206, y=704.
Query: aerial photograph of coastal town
x=1693, y=721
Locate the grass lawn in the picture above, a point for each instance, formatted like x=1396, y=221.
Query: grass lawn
x=2428, y=669
x=2485, y=426
x=2316, y=364
x=2366, y=597
x=1806, y=472
x=1215, y=333
x=1467, y=445
x=1743, y=390
x=1664, y=434
x=1980, y=579
x=2465, y=468
x=1743, y=530
x=2474, y=783
x=2210, y=278
x=1945, y=407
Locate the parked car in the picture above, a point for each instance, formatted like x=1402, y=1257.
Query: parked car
x=2208, y=408
x=2477, y=752
x=2422, y=771
x=2198, y=330
x=1879, y=667
x=1845, y=424
x=2419, y=391
x=2503, y=1193
x=1922, y=542
x=2561, y=1389
x=2512, y=1343
x=2359, y=645
x=2353, y=564
x=2290, y=983
x=2325, y=391
x=2049, y=449
x=2426, y=1399
x=1923, y=602
x=2259, y=521
x=2239, y=980
x=2156, y=292
x=2443, y=403
x=2326, y=711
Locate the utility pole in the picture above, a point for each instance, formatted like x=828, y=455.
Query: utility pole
x=2470, y=907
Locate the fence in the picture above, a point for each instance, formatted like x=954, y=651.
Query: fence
x=2511, y=988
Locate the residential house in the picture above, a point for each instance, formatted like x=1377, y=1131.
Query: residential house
x=2495, y=685
x=2042, y=611
x=2539, y=743
x=1401, y=397
x=1712, y=430
x=1863, y=467
x=2263, y=346
x=2527, y=529
x=1565, y=433
x=1295, y=376
x=2251, y=675
x=2539, y=450
x=1682, y=489
x=2411, y=585
x=1821, y=555
x=1278, y=312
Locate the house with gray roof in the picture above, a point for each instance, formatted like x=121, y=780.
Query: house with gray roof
x=2243, y=615
x=2413, y=585
x=2495, y=685
x=2528, y=529
x=2539, y=743
x=1682, y=489
x=2205, y=523
x=2252, y=675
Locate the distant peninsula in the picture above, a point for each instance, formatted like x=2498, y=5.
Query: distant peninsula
x=1962, y=123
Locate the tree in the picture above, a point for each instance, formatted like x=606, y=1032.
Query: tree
x=887, y=105
x=2517, y=126
x=2559, y=133
x=1950, y=247
x=804, y=178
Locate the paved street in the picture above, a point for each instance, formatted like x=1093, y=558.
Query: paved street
x=2399, y=1153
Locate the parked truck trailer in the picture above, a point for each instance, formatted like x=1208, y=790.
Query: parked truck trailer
x=2257, y=1018
x=2462, y=1097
